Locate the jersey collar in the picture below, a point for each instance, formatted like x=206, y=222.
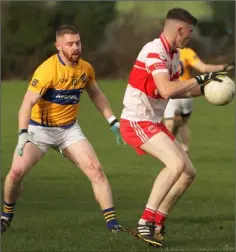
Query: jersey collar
x=60, y=59
x=166, y=45
x=62, y=62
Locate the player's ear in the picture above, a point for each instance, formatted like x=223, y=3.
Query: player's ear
x=180, y=30
x=58, y=46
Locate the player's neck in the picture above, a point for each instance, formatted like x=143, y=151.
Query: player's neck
x=170, y=40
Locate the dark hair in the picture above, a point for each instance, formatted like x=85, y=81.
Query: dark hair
x=182, y=15
x=66, y=29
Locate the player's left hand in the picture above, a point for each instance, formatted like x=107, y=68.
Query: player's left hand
x=115, y=128
x=229, y=67
x=206, y=77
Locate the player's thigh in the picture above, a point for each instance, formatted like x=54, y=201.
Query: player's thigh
x=172, y=106
x=163, y=148
x=21, y=165
x=187, y=107
x=43, y=137
x=70, y=136
x=82, y=154
x=189, y=168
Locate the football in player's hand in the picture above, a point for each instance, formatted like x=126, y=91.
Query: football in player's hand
x=220, y=93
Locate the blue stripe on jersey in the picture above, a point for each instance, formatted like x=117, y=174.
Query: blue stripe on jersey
x=60, y=59
x=63, y=97
x=67, y=126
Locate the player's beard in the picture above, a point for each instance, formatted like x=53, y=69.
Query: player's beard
x=73, y=58
x=186, y=42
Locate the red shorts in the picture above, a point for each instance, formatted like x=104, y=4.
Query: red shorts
x=137, y=133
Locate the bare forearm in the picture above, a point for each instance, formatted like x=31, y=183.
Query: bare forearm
x=177, y=88
x=24, y=116
x=30, y=99
x=213, y=68
x=102, y=105
x=194, y=92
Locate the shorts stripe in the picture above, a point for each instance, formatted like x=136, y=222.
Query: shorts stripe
x=144, y=134
x=139, y=132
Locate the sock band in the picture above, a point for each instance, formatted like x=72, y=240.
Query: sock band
x=110, y=217
x=148, y=215
x=8, y=210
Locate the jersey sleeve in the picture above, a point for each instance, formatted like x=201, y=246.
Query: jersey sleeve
x=156, y=62
x=91, y=75
x=192, y=57
x=41, y=80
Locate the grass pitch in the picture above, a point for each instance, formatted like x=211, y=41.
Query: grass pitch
x=57, y=211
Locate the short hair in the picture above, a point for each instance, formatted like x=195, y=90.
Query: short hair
x=66, y=29
x=181, y=15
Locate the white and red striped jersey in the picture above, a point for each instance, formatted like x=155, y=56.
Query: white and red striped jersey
x=142, y=101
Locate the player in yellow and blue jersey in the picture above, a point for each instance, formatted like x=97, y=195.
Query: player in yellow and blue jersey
x=178, y=111
x=47, y=118
x=60, y=91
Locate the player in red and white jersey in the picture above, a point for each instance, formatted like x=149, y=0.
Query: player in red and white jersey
x=153, y=80
x=147, y=104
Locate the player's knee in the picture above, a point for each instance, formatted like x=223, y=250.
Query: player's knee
x=189, y=175
x=16, y=173
x=186, y=117
x=178, y=166
x=178, y=120
x=95, y=173
x=193, y=174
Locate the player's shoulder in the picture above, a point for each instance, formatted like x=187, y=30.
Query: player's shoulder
x=188, y=50
x=187, y=53
x=86, y=65
x=154, y=46
x=47, y=64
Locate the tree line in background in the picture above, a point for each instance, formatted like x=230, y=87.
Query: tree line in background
x=110, y=40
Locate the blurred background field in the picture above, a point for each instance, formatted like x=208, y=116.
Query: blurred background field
x=112, y=32
x=57, y=211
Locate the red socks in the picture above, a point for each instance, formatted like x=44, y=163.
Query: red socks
x=153, y=216
x=148, y=215
x=160, y=219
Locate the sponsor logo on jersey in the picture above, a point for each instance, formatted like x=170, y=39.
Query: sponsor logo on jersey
x=66, y=97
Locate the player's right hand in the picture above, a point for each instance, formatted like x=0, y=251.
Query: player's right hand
x=203, y=78
x=23, y=139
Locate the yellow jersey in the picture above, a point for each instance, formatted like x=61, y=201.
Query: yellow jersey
x=187, y=59
x=60, y=87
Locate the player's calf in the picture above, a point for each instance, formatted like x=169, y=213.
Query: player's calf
x=13, y=187
x=21, y=165
x=103, y=195
x=83, y=156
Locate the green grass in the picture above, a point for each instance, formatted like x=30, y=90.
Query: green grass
x=57, y=210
